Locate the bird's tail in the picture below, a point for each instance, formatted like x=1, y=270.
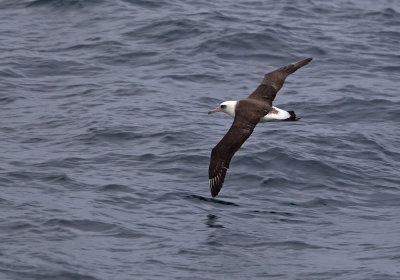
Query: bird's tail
x=292, y=117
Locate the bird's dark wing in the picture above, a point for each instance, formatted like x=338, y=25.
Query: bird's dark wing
x=274, y=80
x=223, y=152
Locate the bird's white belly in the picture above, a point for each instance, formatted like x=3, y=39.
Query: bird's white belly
x=275, y=115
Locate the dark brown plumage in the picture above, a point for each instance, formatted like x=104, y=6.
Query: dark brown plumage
x=247, y=114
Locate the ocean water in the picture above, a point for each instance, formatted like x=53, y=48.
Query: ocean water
x=105, y=140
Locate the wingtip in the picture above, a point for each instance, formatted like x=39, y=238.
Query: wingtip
x=304, y=61
x=213, y=190
x=289, y=69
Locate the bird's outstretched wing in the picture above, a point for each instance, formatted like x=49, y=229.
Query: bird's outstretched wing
x=274, y=80
x=223, y=152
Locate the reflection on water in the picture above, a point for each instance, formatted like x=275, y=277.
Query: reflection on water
x=212, y=221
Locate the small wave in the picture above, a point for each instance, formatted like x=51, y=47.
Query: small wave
x=133, y=58
x=7, y=130
x=55, y=67
x=290, y=11
x=93, y=226
x=5, y=100
x=9, y=73
x=324, y=202
x=96, y=43
x=65, y=4
x=115, y=188
x=272, y=212
x=126, y=202
x=168, y=30
x=354, y=110
x=193, y=77
x=19, y=226
x=35, y=140
x=57, y=178
x=68, y=162
x=387, y=13
x=295, y=245
x=275, y=181
x=146, y=4
x=44, y=275
x=241, y=45
x=98, y=135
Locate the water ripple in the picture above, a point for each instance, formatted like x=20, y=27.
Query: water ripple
x=106, y=140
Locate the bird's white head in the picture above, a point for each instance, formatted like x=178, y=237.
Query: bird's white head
x=227, y=107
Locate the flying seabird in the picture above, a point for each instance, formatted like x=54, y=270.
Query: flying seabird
x=257, y=107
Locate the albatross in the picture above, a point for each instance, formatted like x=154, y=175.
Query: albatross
x=247, y=113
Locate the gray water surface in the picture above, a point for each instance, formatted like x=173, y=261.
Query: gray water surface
x=105, y=140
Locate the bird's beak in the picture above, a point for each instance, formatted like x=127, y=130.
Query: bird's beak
x=218, y=109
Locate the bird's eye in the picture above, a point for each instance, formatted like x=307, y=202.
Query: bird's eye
x=223, y=106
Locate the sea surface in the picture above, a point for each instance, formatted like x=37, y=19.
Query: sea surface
x=105, y=140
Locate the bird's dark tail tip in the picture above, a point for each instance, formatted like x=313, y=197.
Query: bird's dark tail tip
x=292, y=117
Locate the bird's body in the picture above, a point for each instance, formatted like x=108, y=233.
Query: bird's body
x=247, y=113
x=275, y=114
